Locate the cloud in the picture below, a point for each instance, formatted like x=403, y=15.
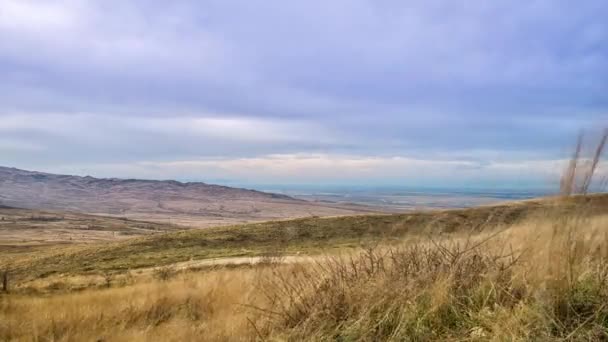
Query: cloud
x=237, y=129
x=130, y=81
x=30, y=17
x=341, y=169
x=86, y=137
x=314, y=58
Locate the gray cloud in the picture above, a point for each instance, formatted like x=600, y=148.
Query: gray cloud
x=136, y=81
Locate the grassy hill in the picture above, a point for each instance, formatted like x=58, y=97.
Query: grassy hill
x=543, y=278
x=309, y=235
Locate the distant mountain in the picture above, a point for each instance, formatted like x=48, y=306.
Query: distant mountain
x=192, y=203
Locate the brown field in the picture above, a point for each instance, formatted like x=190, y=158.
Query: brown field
x=536, y=270
x=23, y=230
x=289, y=237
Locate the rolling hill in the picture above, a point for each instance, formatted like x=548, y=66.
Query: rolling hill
x=528, y=270
x=193, y=204
x=306, y=235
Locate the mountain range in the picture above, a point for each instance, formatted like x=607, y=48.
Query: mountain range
x=191, y=203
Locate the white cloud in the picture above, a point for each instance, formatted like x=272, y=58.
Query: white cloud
x=235, y=128
x=36, y=17
x=311, y=168
x=221, y=128
x=102, y=138
x=212, y=146
x=113, y=37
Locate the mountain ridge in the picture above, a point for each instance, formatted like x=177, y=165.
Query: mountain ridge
x=189, y=203
x=117, y=180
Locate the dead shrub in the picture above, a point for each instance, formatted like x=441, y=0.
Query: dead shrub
x=164, y=273
x=446, y=289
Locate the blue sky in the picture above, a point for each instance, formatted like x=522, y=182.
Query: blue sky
x=379, y=92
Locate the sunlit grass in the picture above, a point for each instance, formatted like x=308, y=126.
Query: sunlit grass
x=541, y=278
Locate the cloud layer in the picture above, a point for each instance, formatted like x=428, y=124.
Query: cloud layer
x=369, y=88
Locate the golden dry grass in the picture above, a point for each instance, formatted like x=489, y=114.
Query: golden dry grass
x=543, y=278
x=24, y=230
x=303, y=236
x=186, y=308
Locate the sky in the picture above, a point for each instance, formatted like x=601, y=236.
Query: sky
x=417, y=92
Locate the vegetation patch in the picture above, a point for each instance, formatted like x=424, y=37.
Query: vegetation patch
x=308, y=236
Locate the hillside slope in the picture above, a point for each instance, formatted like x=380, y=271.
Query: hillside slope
x=22, y=230
x=307, y=235
x=197, y=204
